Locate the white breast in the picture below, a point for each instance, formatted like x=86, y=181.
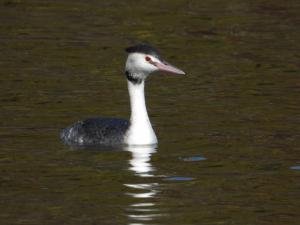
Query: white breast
x=141, y=134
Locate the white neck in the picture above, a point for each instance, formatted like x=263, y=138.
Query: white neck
x=140, y=131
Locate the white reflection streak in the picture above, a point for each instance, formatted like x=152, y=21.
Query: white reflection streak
x=140, y=164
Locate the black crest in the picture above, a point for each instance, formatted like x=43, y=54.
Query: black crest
x=143, y=48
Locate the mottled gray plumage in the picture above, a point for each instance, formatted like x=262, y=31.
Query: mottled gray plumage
x=96, y=131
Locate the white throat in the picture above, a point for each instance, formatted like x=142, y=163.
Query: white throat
x=140, y=131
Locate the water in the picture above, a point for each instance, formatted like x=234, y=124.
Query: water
x=228, y=132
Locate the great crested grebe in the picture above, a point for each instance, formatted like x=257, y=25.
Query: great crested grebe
x=142, y=60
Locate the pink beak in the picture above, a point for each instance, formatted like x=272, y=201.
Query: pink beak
x=164, y=66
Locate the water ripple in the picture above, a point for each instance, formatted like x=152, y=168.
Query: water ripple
x=295, y=167
x=192, y=158
x=179, y=178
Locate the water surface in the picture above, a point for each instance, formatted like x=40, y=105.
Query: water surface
x=228, y=132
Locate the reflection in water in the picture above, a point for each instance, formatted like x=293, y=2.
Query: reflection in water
x=140, y=162
x=143, y=193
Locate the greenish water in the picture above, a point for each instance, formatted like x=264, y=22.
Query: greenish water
x=228, y=133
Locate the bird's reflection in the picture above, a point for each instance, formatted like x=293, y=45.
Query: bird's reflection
x=140, y=162
x=144, y=193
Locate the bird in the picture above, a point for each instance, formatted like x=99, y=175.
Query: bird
x=142, y=60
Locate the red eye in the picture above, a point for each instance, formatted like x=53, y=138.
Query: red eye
x=147, y=58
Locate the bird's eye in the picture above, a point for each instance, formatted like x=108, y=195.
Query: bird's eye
x=147, y=58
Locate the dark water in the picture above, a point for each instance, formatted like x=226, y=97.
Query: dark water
x=228, y=133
